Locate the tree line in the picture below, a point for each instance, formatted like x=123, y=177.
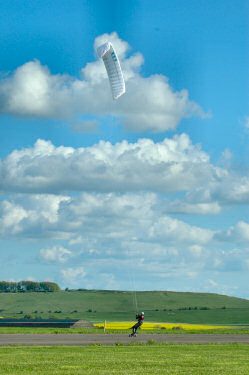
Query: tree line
x=28, y=286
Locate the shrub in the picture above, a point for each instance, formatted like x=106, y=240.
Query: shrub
x=28, y=316
x=51, y=316
x=177, y=328
x=151, y=342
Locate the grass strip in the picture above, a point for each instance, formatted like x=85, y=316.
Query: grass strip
x=46, y=330
x=173, y=359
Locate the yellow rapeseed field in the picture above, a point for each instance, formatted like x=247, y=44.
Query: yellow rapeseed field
x=147, y=325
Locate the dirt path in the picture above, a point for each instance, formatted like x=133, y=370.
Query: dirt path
x=112, y=339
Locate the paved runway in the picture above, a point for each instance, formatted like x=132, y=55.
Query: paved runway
x=112, y=339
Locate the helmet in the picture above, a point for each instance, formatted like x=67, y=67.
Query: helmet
x=142, y=313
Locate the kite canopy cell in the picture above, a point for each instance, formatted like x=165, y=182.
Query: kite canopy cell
x=114, y=72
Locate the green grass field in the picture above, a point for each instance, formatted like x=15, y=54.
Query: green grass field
x=97, y=306
x=132, y=359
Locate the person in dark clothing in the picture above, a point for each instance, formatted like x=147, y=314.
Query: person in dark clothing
x=140, y=320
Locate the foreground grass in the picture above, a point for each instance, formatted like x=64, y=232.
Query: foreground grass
x=132, y=359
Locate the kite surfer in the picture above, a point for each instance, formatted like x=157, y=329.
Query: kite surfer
x=140, y=320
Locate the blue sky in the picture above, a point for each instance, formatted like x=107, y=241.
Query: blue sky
x=153, y=187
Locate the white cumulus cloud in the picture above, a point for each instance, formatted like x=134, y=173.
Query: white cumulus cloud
x=149, y=105
x=101, y=222
x=173, y=230
x=238, y=233
x=73, y=276
x=32, y=216
x=171, y=165
x=55, y=254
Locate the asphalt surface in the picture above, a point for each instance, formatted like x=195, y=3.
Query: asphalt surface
x=112, y=339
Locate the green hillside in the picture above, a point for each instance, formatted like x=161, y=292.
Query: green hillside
x=99, y=305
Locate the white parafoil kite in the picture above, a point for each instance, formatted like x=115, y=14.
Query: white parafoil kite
x=112, y=64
